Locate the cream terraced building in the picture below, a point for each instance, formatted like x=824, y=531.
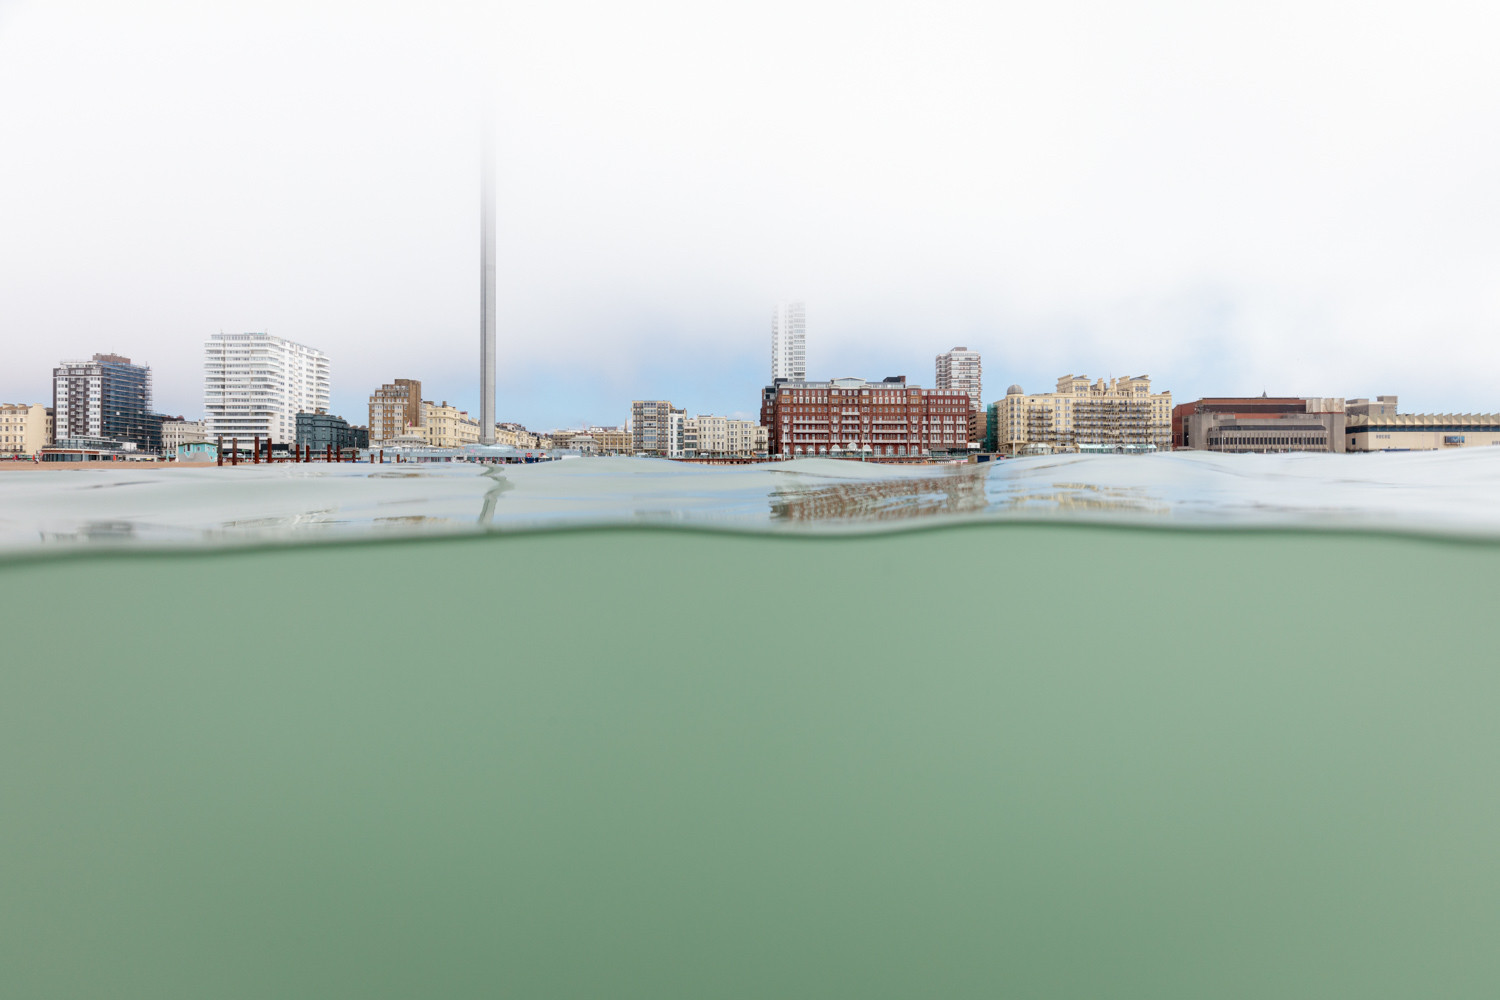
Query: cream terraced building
x=445, y=426
x=176, y=433
x=516, y=436
x=25, y=428
x=595, y=440
x=707, y=436
x=1121, y=415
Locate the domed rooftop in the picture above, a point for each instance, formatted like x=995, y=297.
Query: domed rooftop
x=1015, y=390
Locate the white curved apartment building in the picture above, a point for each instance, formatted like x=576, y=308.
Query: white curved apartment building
x=256, y=384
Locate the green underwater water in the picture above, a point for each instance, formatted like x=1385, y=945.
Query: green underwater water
x=991, y=760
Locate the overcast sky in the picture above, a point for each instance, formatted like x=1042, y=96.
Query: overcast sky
x=1292, y=197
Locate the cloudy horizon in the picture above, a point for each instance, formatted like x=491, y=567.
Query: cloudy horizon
x=1295, y=198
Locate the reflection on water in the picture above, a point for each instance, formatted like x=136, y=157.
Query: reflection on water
x=960, y=491
x=1446, y=493
x=1076, y=498
x=487, y=505
x=94, y=531
x=285, y=521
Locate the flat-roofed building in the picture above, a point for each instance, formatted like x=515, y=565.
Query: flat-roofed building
x=25, y=429
x=322, y=431
x=581, y=441
x=612, y=440
x=177, y=431
x=960, y=368
x=107, y=398
x=593, y=440
x=1376, y=426
x=850, y=415
x=789, y=341
x=708, y=436
x=1120, y=416
x=255, y=384
x=1259, y=424
x=979, y=422
x=656, y=428
x=394, y=408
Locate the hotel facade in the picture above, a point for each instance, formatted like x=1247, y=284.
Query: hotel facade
x=1121, y=415
x=707, y=436
x=887, y=419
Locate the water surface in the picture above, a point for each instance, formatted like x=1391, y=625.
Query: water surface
x=1014, y=755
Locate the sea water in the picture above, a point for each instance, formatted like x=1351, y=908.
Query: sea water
x=1128, y=727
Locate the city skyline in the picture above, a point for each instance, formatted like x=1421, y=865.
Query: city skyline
x=700, y=401
x=1174, y=210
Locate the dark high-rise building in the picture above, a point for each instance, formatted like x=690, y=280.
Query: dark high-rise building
x=105, y=399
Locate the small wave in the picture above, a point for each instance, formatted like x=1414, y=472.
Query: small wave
x=1450, y=493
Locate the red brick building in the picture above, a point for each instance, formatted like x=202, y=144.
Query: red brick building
x=891, y=419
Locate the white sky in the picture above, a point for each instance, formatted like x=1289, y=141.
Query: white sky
x=1293, y=197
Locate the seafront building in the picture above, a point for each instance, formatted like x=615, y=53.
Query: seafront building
x=516, y=436
x=105, y=402
x=594, y=440
x=789, y=342
x=979, y=422
x=960, y=369
x=1259, y=424
x=1121, y=415
x=581, y=440
x=395, y=407
x=612, y=440
x=177, y=431
x=708, y=436
x=321, y=431
x=255, y=384
x=25, y=429
x=445, y=426
x=656, y=428
x=1376, y=426
x=878, y=419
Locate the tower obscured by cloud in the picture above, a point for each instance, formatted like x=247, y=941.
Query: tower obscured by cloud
x=789, y=342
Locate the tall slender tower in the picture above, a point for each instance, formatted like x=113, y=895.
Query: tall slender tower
x=487, y=287
x=789, y=342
